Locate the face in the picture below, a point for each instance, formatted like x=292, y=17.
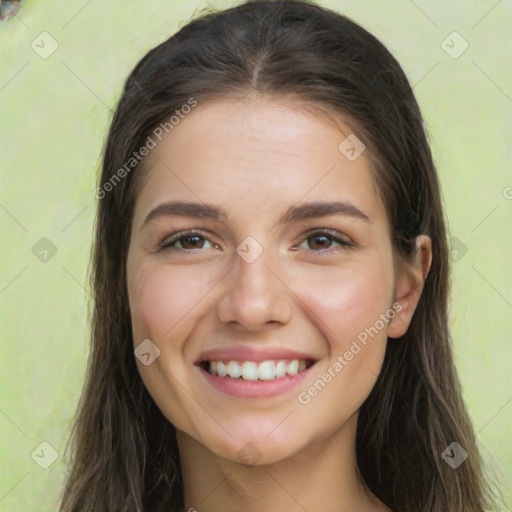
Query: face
x=258, y=248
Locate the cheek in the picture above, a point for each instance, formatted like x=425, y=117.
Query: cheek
x=347, y=298
x=348, y=302
x=164, y=300
x=164, y=308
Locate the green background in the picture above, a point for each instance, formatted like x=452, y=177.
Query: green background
x=55, y=111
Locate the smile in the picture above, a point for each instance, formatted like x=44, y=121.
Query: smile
x=251, y=379
x=267, y=370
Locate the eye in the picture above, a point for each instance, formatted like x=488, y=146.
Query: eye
x=321, y=240
x=189, y=240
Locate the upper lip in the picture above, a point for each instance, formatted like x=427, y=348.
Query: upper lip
x=247, y=353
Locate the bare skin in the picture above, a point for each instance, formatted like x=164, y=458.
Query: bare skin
x=257, y=158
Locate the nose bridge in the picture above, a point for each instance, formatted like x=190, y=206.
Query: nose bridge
x=254, y=277
x=255, y=295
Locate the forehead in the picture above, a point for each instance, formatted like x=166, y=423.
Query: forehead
x=259, y=154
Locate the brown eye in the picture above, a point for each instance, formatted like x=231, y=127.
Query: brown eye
x=320, y=241
x=185, y=241
x=191, y=242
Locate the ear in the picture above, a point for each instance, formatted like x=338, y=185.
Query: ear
x=409, y=281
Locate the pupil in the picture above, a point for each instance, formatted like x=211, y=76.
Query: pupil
x=192, y=237
x=320, y=237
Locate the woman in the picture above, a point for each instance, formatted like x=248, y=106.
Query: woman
x=270, y=275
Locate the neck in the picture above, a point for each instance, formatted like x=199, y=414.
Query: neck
x=322, y=477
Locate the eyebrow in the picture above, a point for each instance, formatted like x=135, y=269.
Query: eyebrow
x=292, y=214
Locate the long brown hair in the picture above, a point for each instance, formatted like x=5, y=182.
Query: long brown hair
x=124, y=454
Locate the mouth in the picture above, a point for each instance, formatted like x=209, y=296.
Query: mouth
x=268, y=370
x=254, y=379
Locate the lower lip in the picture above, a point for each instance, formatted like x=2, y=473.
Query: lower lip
x=254, y=388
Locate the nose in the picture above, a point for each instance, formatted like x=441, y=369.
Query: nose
x=256, y=296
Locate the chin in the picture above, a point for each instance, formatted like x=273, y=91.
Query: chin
x=259, y=448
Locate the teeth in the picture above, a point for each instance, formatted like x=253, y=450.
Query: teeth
x=213, y=367
x=250, y=370
x=292, y=368
x=267, y=370
x=280, y=369
x=221, y=369
x=234, y=369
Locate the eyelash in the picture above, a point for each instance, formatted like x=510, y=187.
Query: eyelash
x=176, y=237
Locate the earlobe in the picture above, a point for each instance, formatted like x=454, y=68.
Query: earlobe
x=409, y=285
